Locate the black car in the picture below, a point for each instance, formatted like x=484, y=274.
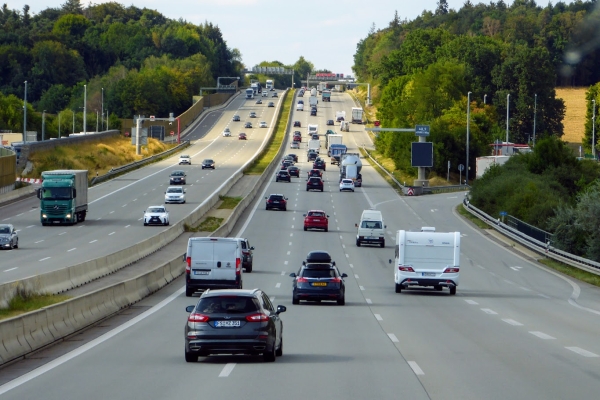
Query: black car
x=234, y=321
x=274, y=94
x=313, y=112
x=319, y=164
x=236, y=118
x=294, y=171
x=329, y=122
x=294, y=156
x=312, y=156
x=277, y=201
x=177, y=178
x=319, y=280
x=315, y=172
x=271, y=104
x=297, y=124
x=248, y=125
x=208, y=163
x=246, y=255
x=283, y=175
x=314, y=183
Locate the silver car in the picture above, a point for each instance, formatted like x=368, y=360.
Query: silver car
x=8, y=237
x=175, y=194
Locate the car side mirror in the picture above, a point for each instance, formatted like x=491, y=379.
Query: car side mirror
x=385, y=226
x=303, y=262
x=356, y=225
x=190, y=308
x=304, y=215
x=293, y=274
x=265, y=198
x=390, y=261
x=252, y=248
x=333, y=263
x=344, y=275
x=328, y=216
x=281, y=309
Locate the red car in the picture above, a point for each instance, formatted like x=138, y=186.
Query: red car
x=316, y=219
x=242, y=136
x=298, y=139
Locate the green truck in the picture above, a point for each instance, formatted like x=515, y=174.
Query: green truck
x=63, y=197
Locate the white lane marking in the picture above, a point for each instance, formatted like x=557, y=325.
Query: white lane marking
x=111, y=212
x=415, y=367
x=93, y=241
x=30, y=226
x=62, y=233
x=509, y=282
x=18, y=215
x=291, y=234
x=74, y=248
x=288, y=253
x=285, y=262
x=278, y=285
x=125, y=205
x=10, y=269
x=582, y=352
x=369, y=301
x=282, y=273
x=356, y=276
x=341, y=237
x=227, y=370
x=543, y=295
x=290, y=243
x=112, y=233
x=362, y=287
x=351, y=266
x=393, y=338
x=127, y=226
x=292, y=226
x=516, y=268
x=39, y=241
x=473, y=302
x=481, y=267
x=524, y=288
x=488, y=311
x=512, y=322
x=378, y=317
x=347, y=255
x=343, y=246
x=45, y=258
x=542, y=335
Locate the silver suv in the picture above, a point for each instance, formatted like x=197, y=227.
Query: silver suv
x=8, y=237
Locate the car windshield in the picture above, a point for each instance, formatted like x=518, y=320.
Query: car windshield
x=184, y=156
x=4, y=229
x=316, y=214
x=318, y=273
x=315, y=180
x=227, y=304
x=177, y=173
x=208, y=161
x=283, y=173
x=276, y=197
x=371, y=224
x=156, y=210
x=56, y=193
x=174, y=190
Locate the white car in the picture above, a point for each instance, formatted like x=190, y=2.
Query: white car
x=185, y=159
x=347, y=184
x=265, y=94
x=227, y=132
x=175, y=194
x=156, y=215
x=262, y=124
x=294, y=145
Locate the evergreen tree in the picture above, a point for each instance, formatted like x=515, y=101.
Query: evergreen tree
x=72, y=7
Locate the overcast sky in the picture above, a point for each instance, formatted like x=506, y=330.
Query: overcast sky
x=325, y=33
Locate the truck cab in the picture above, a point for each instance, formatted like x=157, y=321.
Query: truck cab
x=63, y=197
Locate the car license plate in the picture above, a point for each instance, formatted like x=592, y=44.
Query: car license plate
x=201, y=272
x=428, y=273
x=275, y=201
x=319, y=283
x=316, y=220
x=371, y=237
x=227, y=324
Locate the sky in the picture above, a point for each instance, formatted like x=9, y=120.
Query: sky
x=282, y=30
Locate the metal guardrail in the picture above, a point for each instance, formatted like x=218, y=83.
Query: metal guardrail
x=533, y=244
x=136, y=164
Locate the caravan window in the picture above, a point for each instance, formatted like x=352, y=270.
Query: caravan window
x=371, y=224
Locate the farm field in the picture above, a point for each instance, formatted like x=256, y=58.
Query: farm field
x=574, y=121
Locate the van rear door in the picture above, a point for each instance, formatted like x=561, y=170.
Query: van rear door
x=225, y=260
x=201, y=255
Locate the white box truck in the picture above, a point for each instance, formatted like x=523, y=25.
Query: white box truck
x=314, y=144
x=427, y=259
x=340, y=116
x=300, y=107
x=313, y=101
x=357, y=115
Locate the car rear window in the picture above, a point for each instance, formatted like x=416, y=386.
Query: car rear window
x=318, y=273
x=273, y=197
x=227, y=304
x=315, y=180
x=371, y=224
x=316, y=214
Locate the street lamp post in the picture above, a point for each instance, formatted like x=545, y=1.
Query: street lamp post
x=43, y=124
x=84, y=109
x=25, y=115
x=59, y=125
x=96, y=121
x=484, y=99
x=507, y=114
x=594, y=128
x=102, y=109
x=73, y=112
x=107, y=114
x=468, y=121
x=534, y=115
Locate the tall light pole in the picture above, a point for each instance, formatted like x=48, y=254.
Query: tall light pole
x=534, y=115
x=25, y=115
x=107, y=114
x=43, y=124
x=59, y=125
x=468, y=121
x=484, y=99
x=507, y=113
x=594, y=128
x=102, y=109
x=73, y=112
x=96, y=121
x=84, y=109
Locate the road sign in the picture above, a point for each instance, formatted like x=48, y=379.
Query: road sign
x=503, y=213
x=461, y=167
x=152, y=118
x=422, y=130
x=172, y=133
x=410, y=192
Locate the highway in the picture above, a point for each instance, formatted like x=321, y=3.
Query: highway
x=116, y=209
x=514, y=329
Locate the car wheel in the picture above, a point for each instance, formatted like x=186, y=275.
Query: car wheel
x=357, y=243
x=295, y=300
x=342, y=301
x=191, y=357
x=340, y=190
x=305, y=228
x=382, y=244
x=145, y=224
x=398, y=288
x=321, y=190
x=189, y=292
x=16, y=245
x=267, y=208
x=326, y=229
x=279, y=351
x=453, y=290
x=269, y=355
x=284, y=208
x=249, y=268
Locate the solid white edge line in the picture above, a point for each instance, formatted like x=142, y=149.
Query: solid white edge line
x=512, y=322
x=227, y=370
x=378, y=317
x=88, y=346
x=393, y=338
x=415, y=367
x=582, y=352
x=542, y=335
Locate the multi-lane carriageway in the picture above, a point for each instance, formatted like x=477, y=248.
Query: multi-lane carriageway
x=514, y=329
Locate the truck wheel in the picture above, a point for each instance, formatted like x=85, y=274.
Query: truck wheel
x=249, y=268
x=453, y=290
x=398, y=288
x=382, y=244
x=357, y=243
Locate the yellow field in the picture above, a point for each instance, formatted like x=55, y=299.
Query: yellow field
x=575, y=109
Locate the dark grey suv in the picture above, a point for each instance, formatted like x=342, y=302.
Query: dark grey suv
x=234, y=321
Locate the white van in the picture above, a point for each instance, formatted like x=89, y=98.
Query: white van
x=313, y=129
x=427, y=258
x=371, y=229
x=299, y=107
x=213, y=263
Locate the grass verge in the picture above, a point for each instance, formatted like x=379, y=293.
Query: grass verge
x=229, y=202
x=268, y=154
x=573, y=272
x=480, y=224
x=209, y=224
x=21, y=305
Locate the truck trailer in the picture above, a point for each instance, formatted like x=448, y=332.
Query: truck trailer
x=357, y=115
x=63, y=197
x=350, y=168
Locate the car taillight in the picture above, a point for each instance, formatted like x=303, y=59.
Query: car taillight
x=238, y=263
x=188, y=267
x=301, y=280
x=336, y=280
x=406, y=269
x=451, y=270
x=194, y=317
x=257, y=318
